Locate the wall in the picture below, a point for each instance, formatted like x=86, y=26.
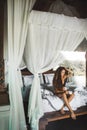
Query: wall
x=1, y=43
x=1, y=27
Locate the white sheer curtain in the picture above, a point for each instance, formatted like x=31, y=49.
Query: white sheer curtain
x=18, y=13
x=48, y=34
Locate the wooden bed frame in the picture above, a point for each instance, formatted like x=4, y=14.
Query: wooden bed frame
x=54, y=116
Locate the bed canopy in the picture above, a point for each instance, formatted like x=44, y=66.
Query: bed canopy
x=38, y=37
x=48, y=34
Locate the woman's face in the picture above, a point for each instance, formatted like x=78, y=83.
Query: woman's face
x=62, y=73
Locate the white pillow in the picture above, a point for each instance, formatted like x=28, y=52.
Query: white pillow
x=46, y=92
x=49, y=79
x=28, y=80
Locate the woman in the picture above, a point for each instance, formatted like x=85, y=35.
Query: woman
x=60, y=90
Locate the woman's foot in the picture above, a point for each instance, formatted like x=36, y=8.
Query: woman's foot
x=73, y=116
x=62, y=111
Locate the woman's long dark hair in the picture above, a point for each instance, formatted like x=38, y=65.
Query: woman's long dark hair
x=57, y=82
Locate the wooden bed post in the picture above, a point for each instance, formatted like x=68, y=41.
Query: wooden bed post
x=43, y=123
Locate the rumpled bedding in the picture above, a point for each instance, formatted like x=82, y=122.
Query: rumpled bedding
x=51, y=102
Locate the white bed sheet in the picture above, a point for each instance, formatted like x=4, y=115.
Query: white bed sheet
x=79, y=100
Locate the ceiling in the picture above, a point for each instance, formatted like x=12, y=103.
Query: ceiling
x=79, y=5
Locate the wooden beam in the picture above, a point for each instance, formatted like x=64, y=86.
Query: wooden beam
x=55, y=116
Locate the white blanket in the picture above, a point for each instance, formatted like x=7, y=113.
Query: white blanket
x=54, y=103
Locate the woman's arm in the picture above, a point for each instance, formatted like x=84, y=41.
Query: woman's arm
x=70, y=72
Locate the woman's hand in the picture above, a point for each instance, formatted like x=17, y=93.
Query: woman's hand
x=64, y=89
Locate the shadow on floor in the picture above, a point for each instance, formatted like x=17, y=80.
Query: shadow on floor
x=68, y=124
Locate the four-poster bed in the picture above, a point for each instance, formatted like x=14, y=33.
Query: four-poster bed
x=39, y=38
x=52, y=116
x=51, y=33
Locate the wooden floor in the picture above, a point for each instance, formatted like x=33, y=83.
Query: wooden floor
x=56, y=116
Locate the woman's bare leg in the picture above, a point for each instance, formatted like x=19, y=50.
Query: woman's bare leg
x=69, y=99
x=67, y=104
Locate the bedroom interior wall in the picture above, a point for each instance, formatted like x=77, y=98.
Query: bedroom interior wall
x=1, y=44
x=1, y=28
